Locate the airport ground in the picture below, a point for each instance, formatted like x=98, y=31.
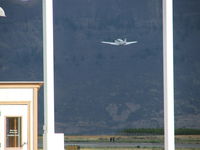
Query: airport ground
x=135, y=149
x=148, y=142
x=180, y=139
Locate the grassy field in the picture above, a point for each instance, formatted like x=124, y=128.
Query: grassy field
x=135, y=149
x=119, y=139
x=186, y=139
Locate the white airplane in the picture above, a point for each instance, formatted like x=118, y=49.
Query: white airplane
x=119, y=42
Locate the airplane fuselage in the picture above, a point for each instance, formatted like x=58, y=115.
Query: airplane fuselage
x=120, y=42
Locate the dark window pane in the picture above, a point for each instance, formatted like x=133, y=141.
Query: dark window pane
x=13, y=131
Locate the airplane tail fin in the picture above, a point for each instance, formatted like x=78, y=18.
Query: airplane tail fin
x=125, y=40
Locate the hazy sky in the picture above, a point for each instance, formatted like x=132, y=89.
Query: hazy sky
x=99, y=85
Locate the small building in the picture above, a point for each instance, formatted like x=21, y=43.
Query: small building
x=19, y=115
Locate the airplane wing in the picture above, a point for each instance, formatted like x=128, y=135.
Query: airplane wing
x=132, y=42
x=111, y=43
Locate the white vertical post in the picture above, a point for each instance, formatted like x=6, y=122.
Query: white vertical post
x=48, y=65
x=168, y=74
x=48, y=72
x=51, y=141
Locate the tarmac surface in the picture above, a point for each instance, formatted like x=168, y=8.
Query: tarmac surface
x=113, y=144
x=125, y=145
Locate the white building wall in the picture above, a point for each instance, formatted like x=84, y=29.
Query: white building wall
x=16, y=94
x=20, y=95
